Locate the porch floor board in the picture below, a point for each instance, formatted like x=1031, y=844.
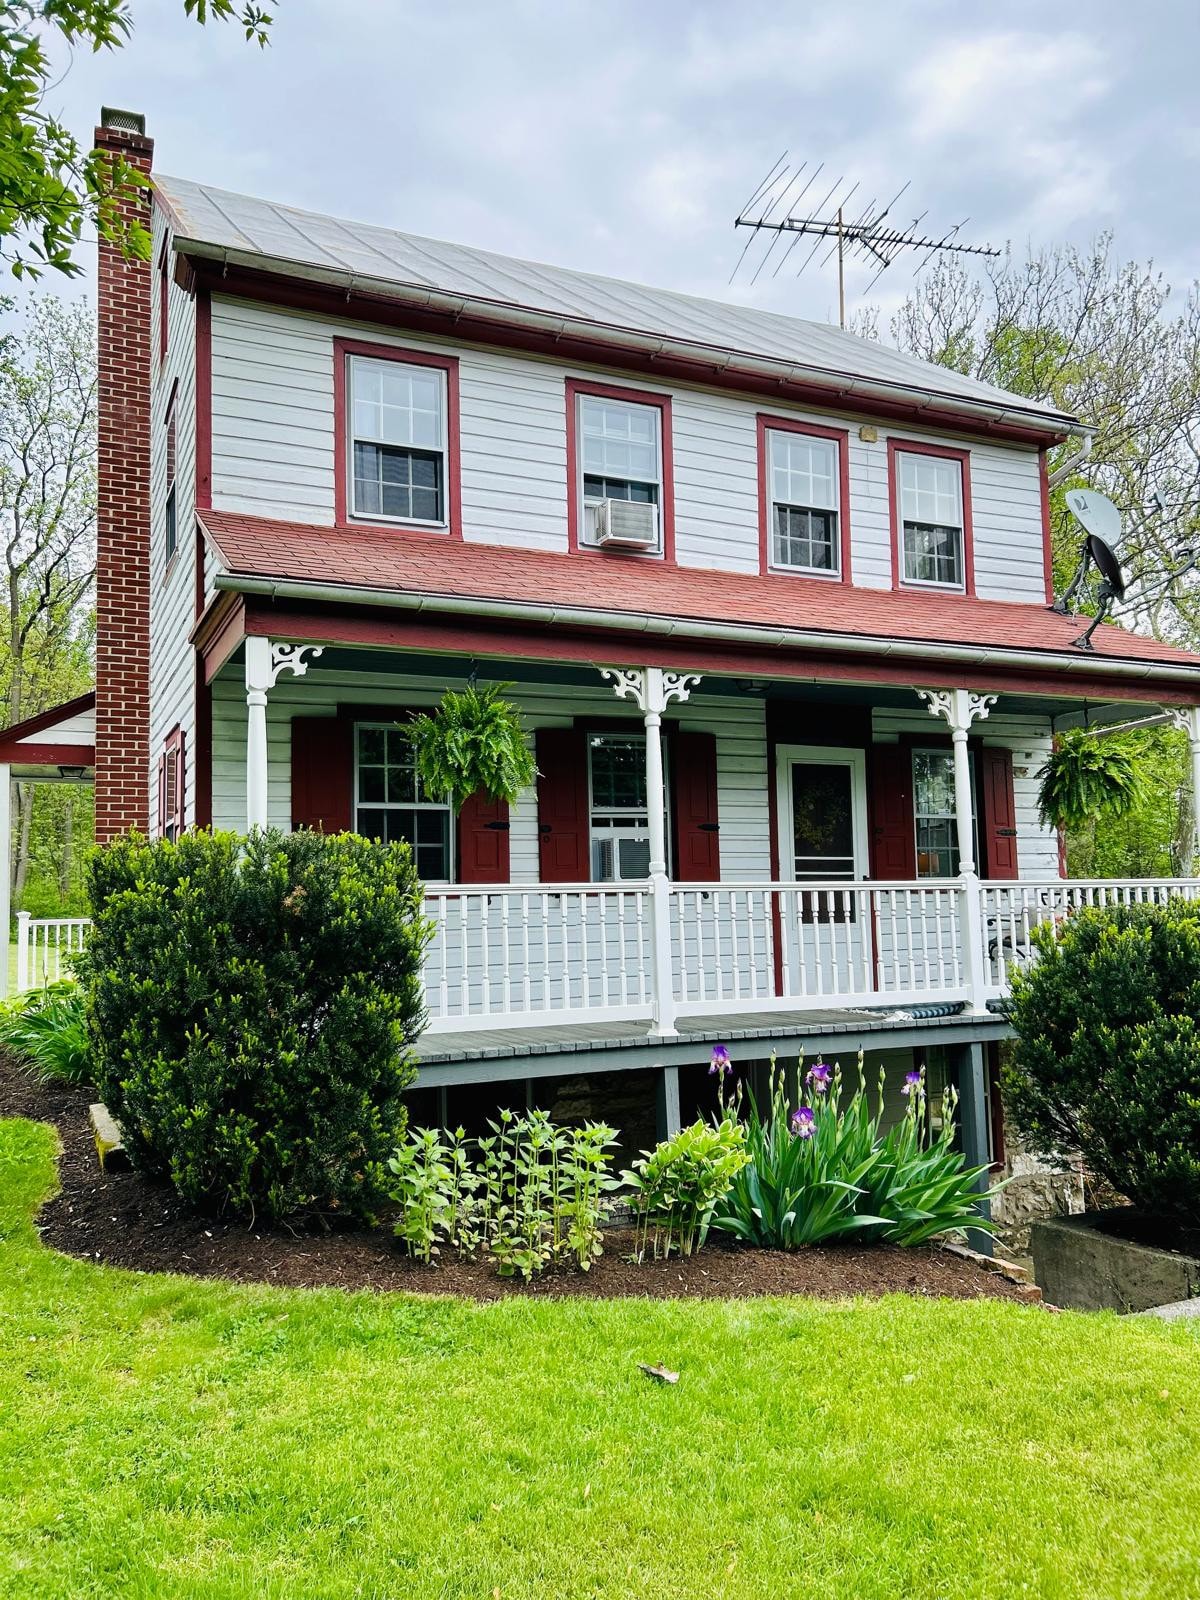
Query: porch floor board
x=544, y=1048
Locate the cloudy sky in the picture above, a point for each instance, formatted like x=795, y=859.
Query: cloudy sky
x=622, y=137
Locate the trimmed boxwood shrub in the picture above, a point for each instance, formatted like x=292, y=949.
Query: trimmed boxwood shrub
x=1107, y=1058
x=251, y=1003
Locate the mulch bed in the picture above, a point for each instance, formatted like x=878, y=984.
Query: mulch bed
x=127, y=1220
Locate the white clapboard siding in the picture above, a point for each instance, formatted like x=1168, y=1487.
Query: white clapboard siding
x=173, y=591
x=273, y=453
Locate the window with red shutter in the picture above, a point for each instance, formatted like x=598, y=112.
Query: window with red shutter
x=171, y=785
x=999, y=813
x=694, y=797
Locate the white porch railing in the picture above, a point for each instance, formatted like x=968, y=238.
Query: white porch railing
x=511, y=955
x=43, y=946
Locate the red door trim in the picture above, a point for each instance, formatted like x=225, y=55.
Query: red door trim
x=917, y=447
x=640, y=397
x=766, y=423
x=343, y=348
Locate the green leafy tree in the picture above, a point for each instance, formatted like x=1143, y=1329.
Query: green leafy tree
x=50, y=188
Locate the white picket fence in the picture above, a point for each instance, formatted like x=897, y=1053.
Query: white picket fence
x=530, y=955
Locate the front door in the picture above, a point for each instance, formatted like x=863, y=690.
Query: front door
x=823, y=925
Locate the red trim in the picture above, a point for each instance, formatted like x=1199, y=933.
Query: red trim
x=712, y=368
x=202, y=750
x=47, y=755
x=768, y=423
x=203, y=399
x=640, y=397
x=914, y=447
x=51, y=718
x=1047, y=530
x=342, y=348
x=163, y=304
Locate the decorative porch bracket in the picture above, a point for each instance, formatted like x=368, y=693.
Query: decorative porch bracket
x=265, y=660
x=959, y=708
x=652, y=690
x=1187, y=718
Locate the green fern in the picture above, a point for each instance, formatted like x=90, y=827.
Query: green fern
x=473, y=742
x=1088, y=777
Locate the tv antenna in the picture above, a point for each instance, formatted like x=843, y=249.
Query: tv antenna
x=777, y=208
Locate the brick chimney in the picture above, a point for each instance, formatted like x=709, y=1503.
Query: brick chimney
x=123, y=508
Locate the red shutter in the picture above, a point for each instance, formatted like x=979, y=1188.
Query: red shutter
x=322, y=773
x=162, y=797
x=893, y=834
x=483, y=840
x=562, y=793
x=694, y=785
x=999, y=813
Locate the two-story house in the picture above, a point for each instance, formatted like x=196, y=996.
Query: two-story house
x=773, y=601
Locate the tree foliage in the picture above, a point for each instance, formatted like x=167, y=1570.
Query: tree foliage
x=50, y=188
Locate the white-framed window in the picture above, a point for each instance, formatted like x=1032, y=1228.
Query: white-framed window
x=390, y=802
x=934, y=814
x=620, y=456
x=804, y=493
x=398, y=441
x=930, y=489
x=619, y=815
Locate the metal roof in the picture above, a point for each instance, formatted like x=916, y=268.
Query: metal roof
x=217, y=224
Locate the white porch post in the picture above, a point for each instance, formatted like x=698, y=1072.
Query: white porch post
x=652, y=690
x=5, y=869
x=1188, y=718
x=265, y=660
x=959, y=708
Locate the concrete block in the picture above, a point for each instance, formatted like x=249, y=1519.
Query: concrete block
x=1081, y=1266
x=110, y=1141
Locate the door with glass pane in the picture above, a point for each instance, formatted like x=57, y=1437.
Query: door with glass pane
x=822, y=927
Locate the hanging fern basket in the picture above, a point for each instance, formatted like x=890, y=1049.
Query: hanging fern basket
x=473, y=743
x=1086, y=778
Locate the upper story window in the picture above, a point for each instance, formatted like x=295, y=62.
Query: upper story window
x=933, y=808
x=390, y=804
x=620, y=456
x=933, y=523
x=398, y=441
x=170, y=521
x=803, y=476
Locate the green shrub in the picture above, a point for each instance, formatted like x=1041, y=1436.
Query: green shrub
x=46, y=1030
x=677, y=1186
x=533, y=1194
x=819, y=1172
x=250, y=1007
x=1107, y=1057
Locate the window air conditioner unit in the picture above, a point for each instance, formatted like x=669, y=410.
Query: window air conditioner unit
x=627, y=524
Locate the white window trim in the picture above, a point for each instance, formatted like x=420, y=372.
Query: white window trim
x=398, y=805
x=443, y=522
x=789, y=755
x=898, y=490
x=834, y=573
x=951, y=816
x=634, y=736
x=582, y=396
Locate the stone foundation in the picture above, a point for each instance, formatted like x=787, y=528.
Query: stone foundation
x=1036, y=1191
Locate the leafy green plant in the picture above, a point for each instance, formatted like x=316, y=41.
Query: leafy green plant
x=46, y=1030
x=251, y=1004
x=472, y=743
x=1107, y=1057
x=1086, y=776
x=822, y=1172
x=677, y=1186
x=533, y=1195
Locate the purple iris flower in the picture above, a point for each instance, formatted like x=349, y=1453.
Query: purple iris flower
x=912, y=1082
x=818, y=1077
x=721, y=1063
x=804, y=1122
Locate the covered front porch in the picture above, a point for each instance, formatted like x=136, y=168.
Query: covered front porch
x=700, y=846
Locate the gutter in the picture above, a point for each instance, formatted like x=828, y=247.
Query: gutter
x=840, y=386
x=1087, y=663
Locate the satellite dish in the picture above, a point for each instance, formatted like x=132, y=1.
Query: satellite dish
x=1107, y=564
x=1097, y=513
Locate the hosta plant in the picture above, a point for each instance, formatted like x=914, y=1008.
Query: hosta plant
x=821, y=1171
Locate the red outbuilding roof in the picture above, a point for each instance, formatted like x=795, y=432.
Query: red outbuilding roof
x=434, y=566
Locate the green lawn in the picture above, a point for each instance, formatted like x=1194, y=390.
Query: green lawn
x=161, y=1436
